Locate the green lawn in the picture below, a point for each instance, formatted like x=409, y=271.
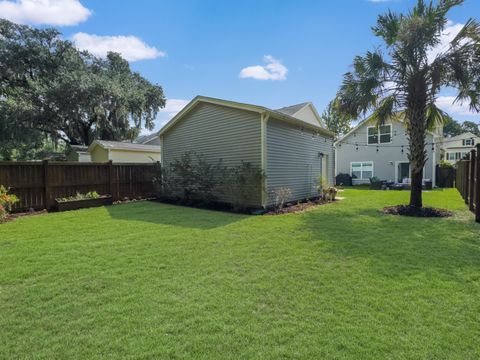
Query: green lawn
x=154, y=281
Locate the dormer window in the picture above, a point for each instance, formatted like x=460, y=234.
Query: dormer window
x=379, y=134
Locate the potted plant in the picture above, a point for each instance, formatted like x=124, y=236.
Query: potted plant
x=375, y=183
x=80, y=201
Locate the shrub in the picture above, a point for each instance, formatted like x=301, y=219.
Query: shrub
x=445, y=164
x=243, y=182
x=79, y=196
x=325, y=191
x=280, y=197
x=3, y=214
x=6, y=202
x=191, y=178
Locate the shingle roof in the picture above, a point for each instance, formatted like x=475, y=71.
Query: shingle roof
x=280, y=113
x=79, y=148
x=119, y=145
x=293, y=109
x=142, y=139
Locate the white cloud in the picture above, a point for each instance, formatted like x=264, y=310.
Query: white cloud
x=448, y=104
x=173, y=106
x=273, y=70
x=51, y=12
x=130, y=47
x=448, y=34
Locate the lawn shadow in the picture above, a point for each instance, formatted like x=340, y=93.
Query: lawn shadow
x=397, y=246
x=173, y=215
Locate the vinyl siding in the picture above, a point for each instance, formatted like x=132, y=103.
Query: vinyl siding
x=387, y=157
x=217, y=132
x=293, y=159
x=99, y=154
x=124, y=156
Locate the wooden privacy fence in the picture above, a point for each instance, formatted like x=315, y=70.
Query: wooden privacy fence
x=468, y=181
x=38, y=184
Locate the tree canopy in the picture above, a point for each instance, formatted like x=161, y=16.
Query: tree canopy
x=402, y=80
x=51, y=90
x=335, y=121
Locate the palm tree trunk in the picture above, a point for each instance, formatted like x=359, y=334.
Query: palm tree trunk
x=416, y=191
x=416, y=130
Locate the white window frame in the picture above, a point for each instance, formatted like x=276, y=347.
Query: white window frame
x=379, y=135
x=469, y=142
x=361, y=171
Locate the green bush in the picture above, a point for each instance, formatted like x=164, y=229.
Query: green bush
x=243, y=182
x=79, y=196
x=6, y=202
x=190, y=179
x=445, y=164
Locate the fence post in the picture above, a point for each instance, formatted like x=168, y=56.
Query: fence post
x=111, y=183
x=46, y=186
x=467, y=179
x=471, y=182
x=477, y=186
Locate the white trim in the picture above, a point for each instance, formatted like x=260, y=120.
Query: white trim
x=379, y=134
x=362, y=162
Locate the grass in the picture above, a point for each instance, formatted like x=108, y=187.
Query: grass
x=154, y=281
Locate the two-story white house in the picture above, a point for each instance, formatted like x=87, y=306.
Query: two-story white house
x=370, y=151
x=456, y=147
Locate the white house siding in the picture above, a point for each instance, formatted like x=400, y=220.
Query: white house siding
x=293, y=159
x=386, y=158
x=217, y=132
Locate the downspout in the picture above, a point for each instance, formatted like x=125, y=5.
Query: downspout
x=161, y=150
x=263, y=134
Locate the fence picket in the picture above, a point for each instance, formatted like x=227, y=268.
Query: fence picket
x=37, y=184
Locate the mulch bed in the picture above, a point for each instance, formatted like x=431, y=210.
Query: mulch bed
x=407, y=210
x=298, y=207
x=14, y=216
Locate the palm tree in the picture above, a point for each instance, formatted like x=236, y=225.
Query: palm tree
x=403, y=81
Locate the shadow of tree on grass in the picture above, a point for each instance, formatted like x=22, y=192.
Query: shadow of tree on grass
x=172, y=215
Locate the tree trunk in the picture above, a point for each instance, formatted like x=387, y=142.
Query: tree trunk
x=416, y=130
x=416, y=191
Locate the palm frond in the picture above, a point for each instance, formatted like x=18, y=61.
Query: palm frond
x=385, y=110
x=387, y=27
x=434, y=116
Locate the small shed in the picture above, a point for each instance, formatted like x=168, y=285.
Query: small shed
x=290, y=145
x=123, y=152
x=78, y=153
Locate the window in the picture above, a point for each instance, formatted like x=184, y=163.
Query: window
x=379, y=135
x=468, y=142
x=451, y=156
x=372, y=135
x=385, y=133
x=362, y=170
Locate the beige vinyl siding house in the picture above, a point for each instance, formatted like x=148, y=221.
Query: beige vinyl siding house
x=456, y=147
x=288, y=149
x=370, y=151
x=122, y=152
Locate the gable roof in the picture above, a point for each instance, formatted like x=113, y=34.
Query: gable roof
x=465, y=135
x=79, y=148
x=277, y=114
x=120, y=145
x=293, y=109
x=143, y=139
x=364, y=122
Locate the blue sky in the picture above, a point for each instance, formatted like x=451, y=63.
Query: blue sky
x=271, y=53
